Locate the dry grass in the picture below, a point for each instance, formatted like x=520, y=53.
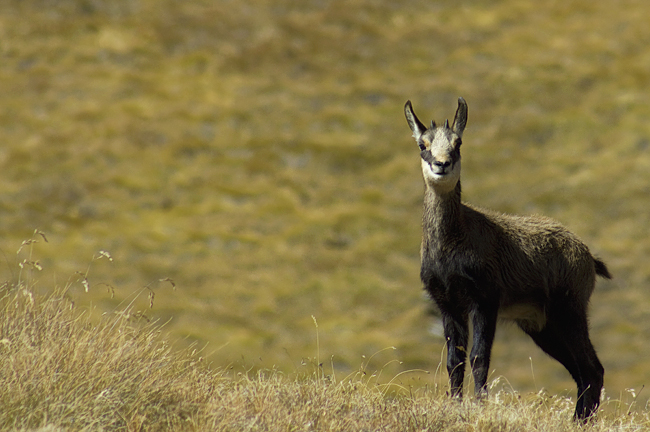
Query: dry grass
x=256, y=153
x=62, y=371
x=60, y=368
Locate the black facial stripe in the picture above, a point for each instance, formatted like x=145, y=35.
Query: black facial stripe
x=455, y=155
x=427, y=156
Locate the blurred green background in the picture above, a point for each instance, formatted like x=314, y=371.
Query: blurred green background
x=256, y=153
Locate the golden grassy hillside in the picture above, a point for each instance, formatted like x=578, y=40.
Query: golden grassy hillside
x=256, y=154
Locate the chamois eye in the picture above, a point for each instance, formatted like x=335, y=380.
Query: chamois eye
x=422, y=146
x=458, y=142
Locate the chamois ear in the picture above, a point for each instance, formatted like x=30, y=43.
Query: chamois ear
x=414, y=123
x=460, y=120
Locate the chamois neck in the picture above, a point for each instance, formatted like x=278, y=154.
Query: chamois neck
x=442, y=213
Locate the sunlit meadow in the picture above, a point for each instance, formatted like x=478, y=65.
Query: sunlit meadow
x=246, y=167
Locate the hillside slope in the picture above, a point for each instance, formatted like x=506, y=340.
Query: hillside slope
x=256, y=154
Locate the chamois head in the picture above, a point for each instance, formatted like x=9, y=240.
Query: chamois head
x=439, y=147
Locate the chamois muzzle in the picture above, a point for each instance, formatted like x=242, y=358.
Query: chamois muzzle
x=438, y=167
x=442, y=167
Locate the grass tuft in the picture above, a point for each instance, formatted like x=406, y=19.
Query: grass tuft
x=62, y=368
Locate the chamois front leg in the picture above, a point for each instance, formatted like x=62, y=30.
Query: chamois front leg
x=456, y=332
x=484, y=323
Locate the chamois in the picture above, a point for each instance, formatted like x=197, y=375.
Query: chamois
x=482, y=265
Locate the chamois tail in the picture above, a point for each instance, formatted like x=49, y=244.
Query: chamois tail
x=601, y=269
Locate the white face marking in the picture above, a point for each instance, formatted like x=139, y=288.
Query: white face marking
x=441, y=159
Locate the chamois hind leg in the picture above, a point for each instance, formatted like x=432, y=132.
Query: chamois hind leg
x=566, y=338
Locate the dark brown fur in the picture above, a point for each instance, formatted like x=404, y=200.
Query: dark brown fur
x=482, y=265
